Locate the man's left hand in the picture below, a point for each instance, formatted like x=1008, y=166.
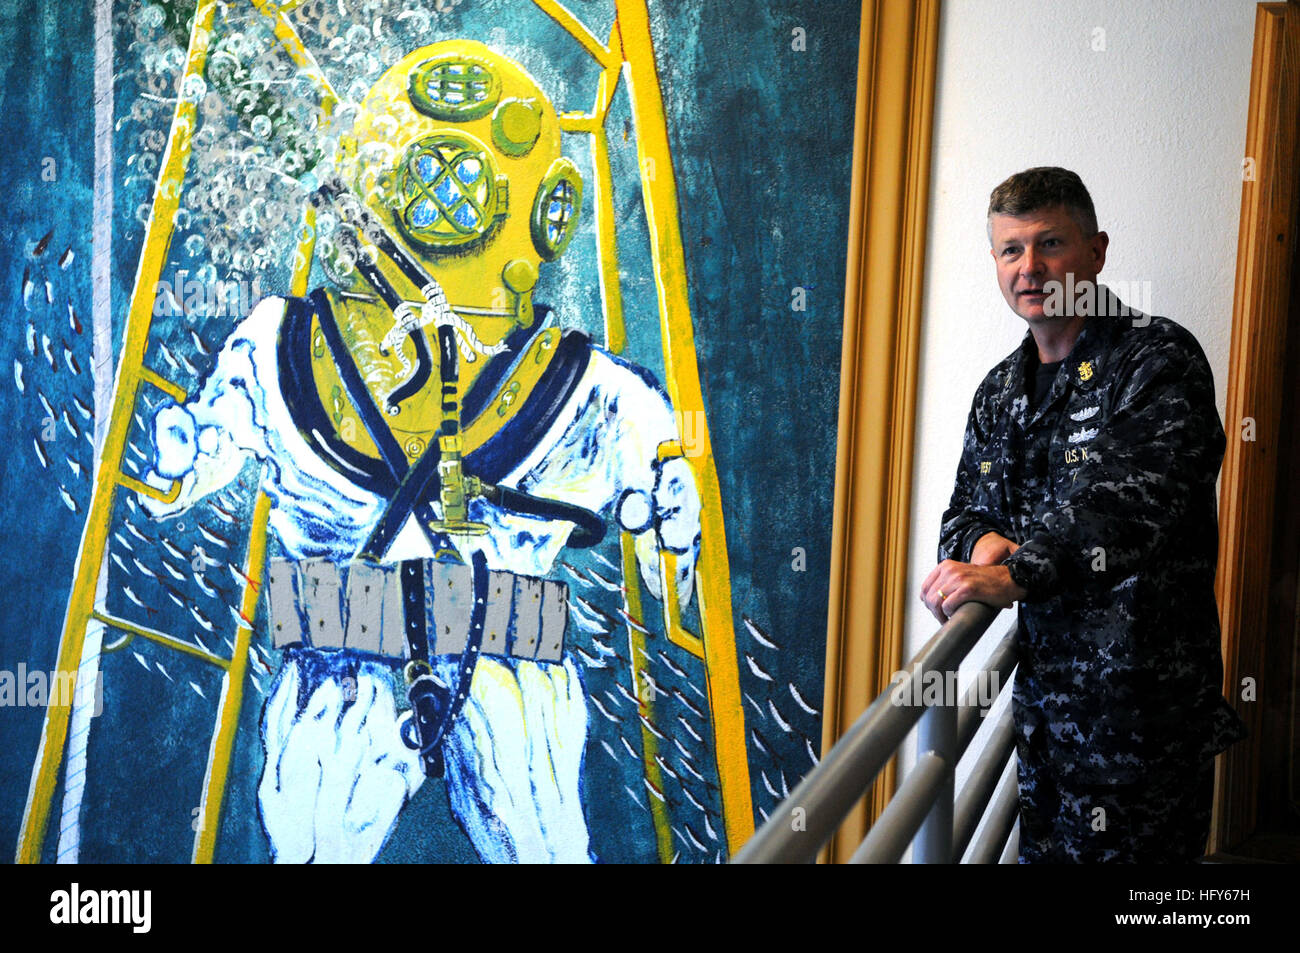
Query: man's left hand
x=951, y=584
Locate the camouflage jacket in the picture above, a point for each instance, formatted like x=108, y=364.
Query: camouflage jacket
x=1109, y=488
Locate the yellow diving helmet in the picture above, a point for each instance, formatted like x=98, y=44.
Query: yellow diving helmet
x=454, y=155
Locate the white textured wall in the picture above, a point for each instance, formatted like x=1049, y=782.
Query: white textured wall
x=1155, y=125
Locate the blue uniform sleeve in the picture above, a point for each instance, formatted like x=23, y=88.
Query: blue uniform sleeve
x=1159, y=449
x=966, y=520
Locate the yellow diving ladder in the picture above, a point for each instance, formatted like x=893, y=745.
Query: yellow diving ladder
x=629, y=52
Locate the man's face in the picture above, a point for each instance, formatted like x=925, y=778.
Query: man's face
x=1033, y=249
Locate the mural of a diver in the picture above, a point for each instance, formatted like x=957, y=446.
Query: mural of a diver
x=431, y=445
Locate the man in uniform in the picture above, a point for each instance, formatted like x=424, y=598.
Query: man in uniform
x=1086, y=493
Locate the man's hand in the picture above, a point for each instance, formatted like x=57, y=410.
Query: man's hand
x=951, y=584
x=990, y=549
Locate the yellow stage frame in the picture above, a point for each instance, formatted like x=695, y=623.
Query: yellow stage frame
x=629, y=53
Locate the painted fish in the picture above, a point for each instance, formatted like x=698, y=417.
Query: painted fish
x=691, y=771
x=602, y=581
x=601, y=708
x=691, y=797
x=574, y=574
x=689, y=730
x=167, y=354
x=794, y=693
x=776, y=715
x=761, y=637
x=670, y=772
x=586, y=622
x=651, y=728
x=670, y=666
x=753, y=667
x=682, y=698
x=708, y=829
x=74, y=322
x=68, y=501
x=633, y=622
x=213, y=538
x=590, y=661
x=694, y=840
x=131, y=528
x=18, y=376
x=40, y=454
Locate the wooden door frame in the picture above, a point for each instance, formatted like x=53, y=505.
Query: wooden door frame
x=1266, y=249
x=897, y=65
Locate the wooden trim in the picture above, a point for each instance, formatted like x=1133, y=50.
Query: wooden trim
x=889, y=203
x=1265, y=251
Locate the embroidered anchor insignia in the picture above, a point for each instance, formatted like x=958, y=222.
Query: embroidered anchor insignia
x=1085, y=371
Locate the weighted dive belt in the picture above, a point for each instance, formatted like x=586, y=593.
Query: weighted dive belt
x=411, y=611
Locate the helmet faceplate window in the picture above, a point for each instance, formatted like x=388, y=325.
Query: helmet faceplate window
x=555, y=213
x=449, y=194
x=454, y=88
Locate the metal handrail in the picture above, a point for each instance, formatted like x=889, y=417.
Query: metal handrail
x=924, y=812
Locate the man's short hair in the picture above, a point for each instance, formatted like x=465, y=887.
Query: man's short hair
x=1044, y=187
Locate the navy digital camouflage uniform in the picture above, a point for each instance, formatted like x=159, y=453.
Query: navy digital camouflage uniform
x=1109, y=488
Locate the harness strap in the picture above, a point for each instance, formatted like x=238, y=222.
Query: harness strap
x=434, y=706
x=371, y=418
x=421, y=483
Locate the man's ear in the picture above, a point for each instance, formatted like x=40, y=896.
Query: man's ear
x=1099, y=242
